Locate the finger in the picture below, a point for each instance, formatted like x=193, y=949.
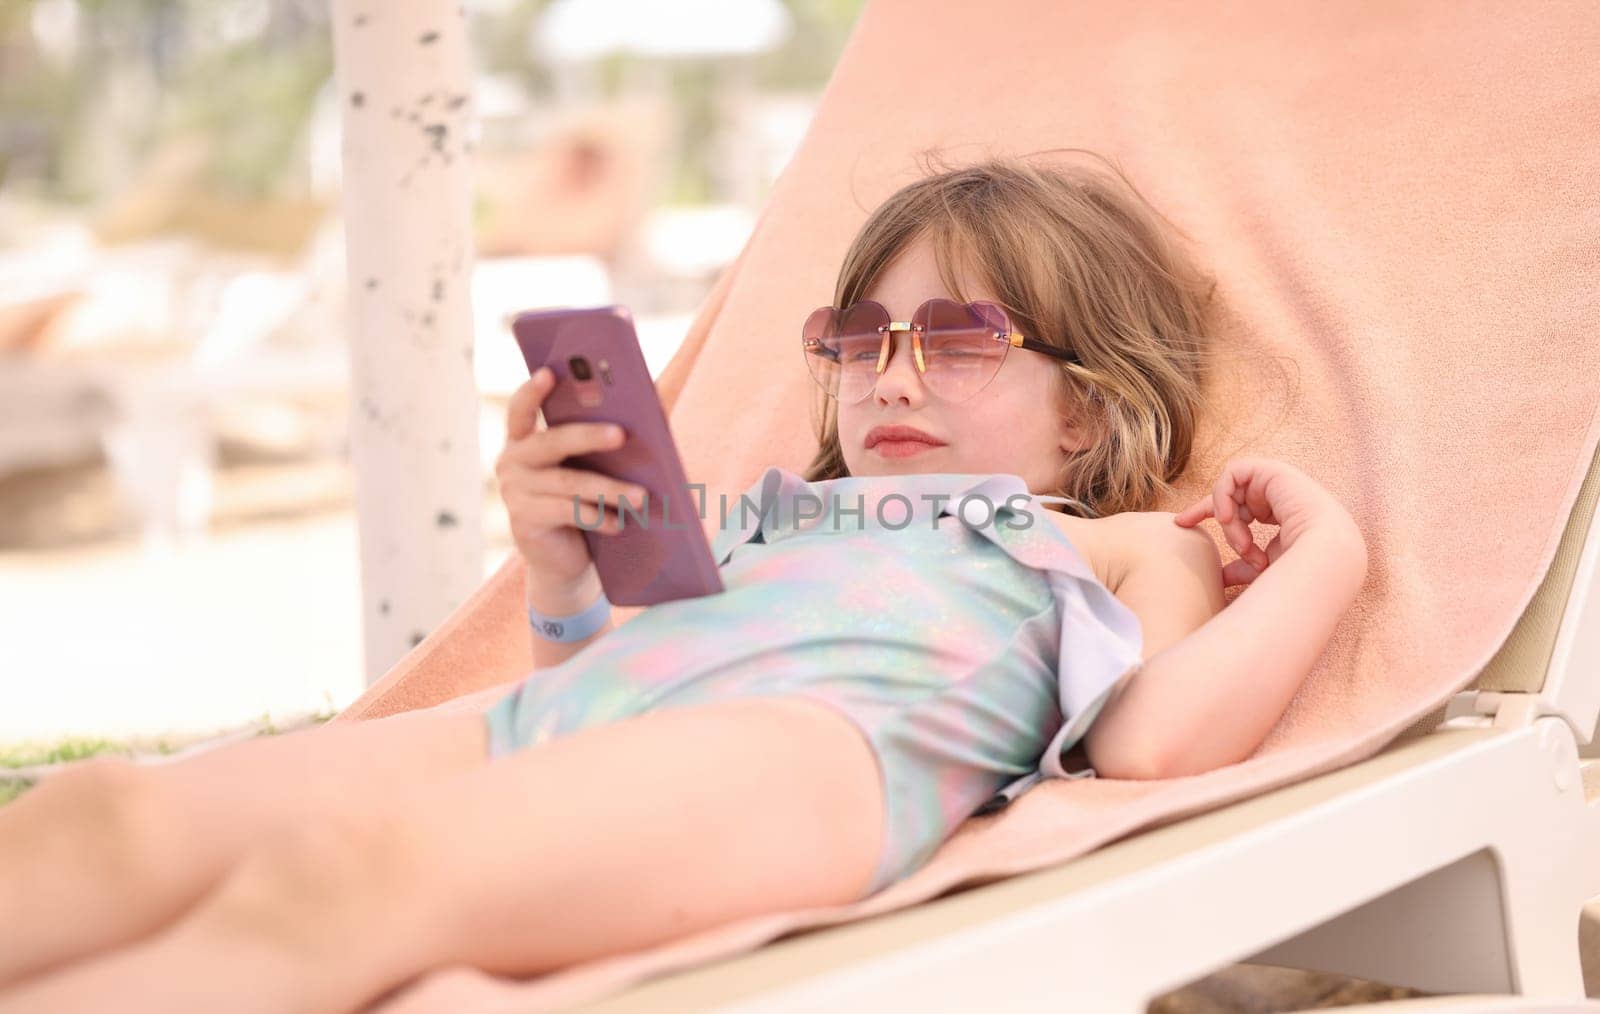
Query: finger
x=1224, y=491
x=1249, y=506
x=588, y=515
x=1195, y=512
x=1239, y=572
x=585, y=484
x=1247, y=538
x=522, y=413
x=1256, y=555
x=1275, y=549
x=523, y=410
x=594, y=490
x=1259, y=500
x=555, y=445
x=1222, y=495
x=544, y=513
x=535, y=513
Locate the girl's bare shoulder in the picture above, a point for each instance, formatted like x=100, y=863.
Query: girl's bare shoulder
x=1113, y=544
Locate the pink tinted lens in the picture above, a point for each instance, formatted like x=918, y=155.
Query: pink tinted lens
x=961, y=348
x=843, y=348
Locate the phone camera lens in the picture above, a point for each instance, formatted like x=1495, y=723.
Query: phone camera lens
x=580, y=367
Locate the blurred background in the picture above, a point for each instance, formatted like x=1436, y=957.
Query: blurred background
x=178, y=546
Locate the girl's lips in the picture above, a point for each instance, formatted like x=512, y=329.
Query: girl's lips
x=902, y=448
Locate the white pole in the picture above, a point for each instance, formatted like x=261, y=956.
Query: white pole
x=405, y=87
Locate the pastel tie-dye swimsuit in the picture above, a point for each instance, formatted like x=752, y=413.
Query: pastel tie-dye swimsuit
x=972, y=647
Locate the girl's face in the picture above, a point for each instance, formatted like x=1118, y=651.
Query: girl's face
x=1011, y=425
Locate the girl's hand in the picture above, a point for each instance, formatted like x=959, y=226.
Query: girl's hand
x=539, y=493
x=1273, y=493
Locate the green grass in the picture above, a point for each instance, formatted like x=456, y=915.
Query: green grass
x=72, y=748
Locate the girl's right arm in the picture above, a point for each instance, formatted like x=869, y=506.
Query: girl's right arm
x=542, y=500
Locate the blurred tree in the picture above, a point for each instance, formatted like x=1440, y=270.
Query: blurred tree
x=253, y=101
x=806, y=60
x=88, y=88
x=241, y=73
x=500, y=38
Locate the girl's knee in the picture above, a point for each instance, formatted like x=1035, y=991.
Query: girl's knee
x=345, y=862
x=309, y=891
x=113, y=805
x=95, y=785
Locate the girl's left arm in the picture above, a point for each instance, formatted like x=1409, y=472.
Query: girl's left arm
x=1210, y=698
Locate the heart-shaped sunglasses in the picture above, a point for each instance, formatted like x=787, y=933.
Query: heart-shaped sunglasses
x=957, y=348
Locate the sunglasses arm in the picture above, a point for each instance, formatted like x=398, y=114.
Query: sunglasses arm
x=1017, y=341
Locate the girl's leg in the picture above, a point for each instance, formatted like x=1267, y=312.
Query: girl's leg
x=614, y=838
x=103, y=853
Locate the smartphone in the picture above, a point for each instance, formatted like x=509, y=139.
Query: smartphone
x=661, y=553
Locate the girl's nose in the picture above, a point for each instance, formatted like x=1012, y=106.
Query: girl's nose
x=899, y=380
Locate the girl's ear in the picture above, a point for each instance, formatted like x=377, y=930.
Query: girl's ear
x=1075, y=417
x=1076, y=437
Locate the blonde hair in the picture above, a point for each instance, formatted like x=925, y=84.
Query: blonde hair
x=1079, y=260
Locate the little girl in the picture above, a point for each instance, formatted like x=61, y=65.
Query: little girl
x=904, y=640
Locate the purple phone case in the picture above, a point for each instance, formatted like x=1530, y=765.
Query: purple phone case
x=661, y=554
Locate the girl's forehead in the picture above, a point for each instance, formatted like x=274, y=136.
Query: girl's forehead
x=906, y=305
x=913, y=276
x=916, y=266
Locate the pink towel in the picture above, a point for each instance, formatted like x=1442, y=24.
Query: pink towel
x=1398, y=200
